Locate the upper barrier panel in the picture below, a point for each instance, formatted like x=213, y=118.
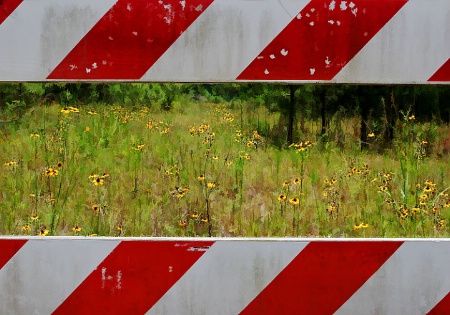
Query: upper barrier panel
x=299, y=41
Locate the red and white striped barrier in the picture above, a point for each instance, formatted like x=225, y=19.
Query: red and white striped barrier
x=223, y=276
x=351, y=41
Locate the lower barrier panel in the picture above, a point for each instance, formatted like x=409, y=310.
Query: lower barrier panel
x=223, y=276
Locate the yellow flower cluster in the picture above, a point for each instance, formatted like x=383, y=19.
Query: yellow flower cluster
x=10, y=163
x=302, y=146
x=51, y=172
x=70, y=109
x=360, y=226
x=197, y=130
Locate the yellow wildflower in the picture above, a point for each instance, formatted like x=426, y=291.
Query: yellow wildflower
x=65, y=111
x=95, y=208
x=98, y=181
x=43, y=232
x=194, y=215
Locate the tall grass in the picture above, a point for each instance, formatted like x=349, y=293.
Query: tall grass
x=214, y=170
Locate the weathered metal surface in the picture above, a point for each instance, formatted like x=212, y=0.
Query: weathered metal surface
x=63, y=275
x=331, y=41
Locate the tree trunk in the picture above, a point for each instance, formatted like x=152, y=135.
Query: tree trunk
x=323, y=112
x=291, y=115
x=365, y=106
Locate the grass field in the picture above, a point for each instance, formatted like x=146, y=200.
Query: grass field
x=214, y=170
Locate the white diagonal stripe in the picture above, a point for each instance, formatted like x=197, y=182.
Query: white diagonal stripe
x=224, y=40
x=409, y=49
x=43, y=273
x=228, y=277
x=411, y=282
x=39, y=34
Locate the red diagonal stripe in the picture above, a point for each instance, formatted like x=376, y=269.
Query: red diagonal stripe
x=7, y=7
x=443, y=74
x=442, y=308
x=8, y=248
x=133, y=277
x=129, y=39
x=322, y=277
x=321, y=40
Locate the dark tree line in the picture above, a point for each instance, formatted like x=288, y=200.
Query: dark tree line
x=382, y=103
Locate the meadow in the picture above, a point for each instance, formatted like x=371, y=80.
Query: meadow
x=204, y=169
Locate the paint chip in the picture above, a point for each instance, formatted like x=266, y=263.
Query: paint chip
x=354, y=11
x=343, y=5
x=338, y=23
x=94, y=65
x=119, y=280
x=272, y=56
x=260, y=57
x=73, y=67
x=351, y=5
x=299, y=16
x=266, y=71
x=198, y=248
x=88, y=70
x=183, y=4
x=312, y=71
x=330, y=22
x=327, y=62
x=312, y=23
x=332, y=5
x=307, y=15
x=134, y=33
x=129, y=6
x=110, y=38
x=284, y=52
x=365, y=33
x=199, y=7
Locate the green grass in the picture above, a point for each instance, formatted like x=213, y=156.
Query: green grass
x=212, y=170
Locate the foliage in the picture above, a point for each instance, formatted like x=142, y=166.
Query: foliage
x=143, y=170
